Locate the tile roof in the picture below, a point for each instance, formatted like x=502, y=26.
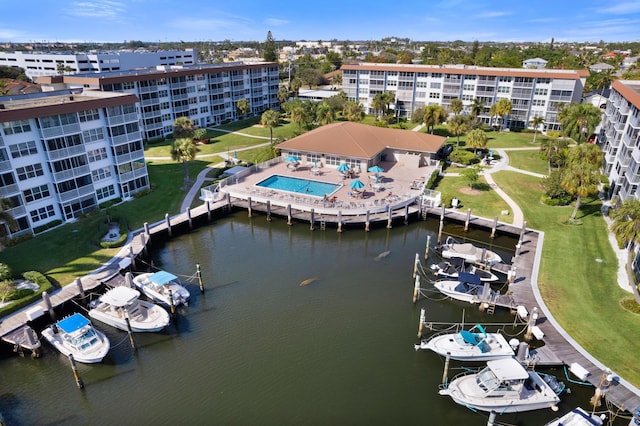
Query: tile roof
x=358, y=140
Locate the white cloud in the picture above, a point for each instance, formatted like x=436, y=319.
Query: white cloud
x=621, y=8
x=97, y=9
x=276, y=22
x=495, y=14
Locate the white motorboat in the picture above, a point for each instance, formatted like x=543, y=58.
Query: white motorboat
x=158, y=285
x=578, y=417
x=503, y=386
x=469, y=345
x=75, y=335
x=470, y=253
x=119, y=303
x=455, y=265
x=467, y=288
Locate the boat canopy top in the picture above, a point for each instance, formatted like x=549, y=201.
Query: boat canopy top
x=465, y=277
x=508, y=369
x=73, y=323
x=471, y=338
x=120, y=296
x=162, y=277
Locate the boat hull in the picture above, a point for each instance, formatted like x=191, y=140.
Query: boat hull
x=448, y=344
x=93, y=356
x=160, y=294
x=136, y=326
x=450, y=288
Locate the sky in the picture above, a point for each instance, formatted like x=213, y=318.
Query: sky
x=250, y=20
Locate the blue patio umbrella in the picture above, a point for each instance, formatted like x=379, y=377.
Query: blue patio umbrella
x=343, y=167
x=356, y=184
x=375, y=169
x=291, y=159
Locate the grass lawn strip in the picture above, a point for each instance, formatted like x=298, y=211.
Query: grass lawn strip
x=578, y=275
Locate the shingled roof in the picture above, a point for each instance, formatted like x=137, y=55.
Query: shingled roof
x=355, y=140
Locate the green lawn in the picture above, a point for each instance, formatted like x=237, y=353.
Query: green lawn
x=578, y=275
x=528, y=160
x=483, y=201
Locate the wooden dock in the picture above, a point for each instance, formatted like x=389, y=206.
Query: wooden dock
x=559, y=348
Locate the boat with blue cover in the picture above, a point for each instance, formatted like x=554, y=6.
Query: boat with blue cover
x=474, y=344
x=467, y=288
x=75, y=335
x=157, y=286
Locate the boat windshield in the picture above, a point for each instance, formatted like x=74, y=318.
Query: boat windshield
x=85, y=340
x=487, y=380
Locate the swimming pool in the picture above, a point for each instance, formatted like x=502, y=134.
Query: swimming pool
x=313, y=188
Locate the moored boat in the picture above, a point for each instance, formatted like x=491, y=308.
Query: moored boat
x=157, y=286
x=469, y=345
x=503, y=386
x=467, y=288
x=75, y=335
x=455, y=265
x=120, y=303
x=467, y=251
x=578, y=417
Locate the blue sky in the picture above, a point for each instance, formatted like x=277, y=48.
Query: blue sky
x=195, y=20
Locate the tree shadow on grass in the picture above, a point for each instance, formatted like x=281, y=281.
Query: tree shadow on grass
x=590, y=207
x=481, y=187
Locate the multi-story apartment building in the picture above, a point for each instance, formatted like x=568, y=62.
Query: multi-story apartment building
x=532, y=92
x=63, y=153
x=37, y=64
x=207, y=94
x=619, y=138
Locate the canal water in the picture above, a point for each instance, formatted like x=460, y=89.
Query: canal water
x=260, y=349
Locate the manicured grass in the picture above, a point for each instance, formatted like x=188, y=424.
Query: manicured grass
x=528, y=160
x=578, y=274
x=483, y=201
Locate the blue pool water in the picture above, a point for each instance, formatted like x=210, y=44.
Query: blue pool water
x=301, y=186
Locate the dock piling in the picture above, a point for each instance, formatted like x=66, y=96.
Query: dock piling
x=445, y=373
x=493, y=228
x=466, y=222
x=132, y=340
x=289, y=215
x=531, y=323
x=168, y=223
x=426, y=248
x=171, y=303
x=189, y=218
x=416, y=289
x=76, y=375
x=416, y=262
x=440, y=228
x=47, y=303
x=78, y=283
x=366, y=222
x=128, y=278
x=406, y=214
x=492, y=418
x=312, y=219
x=208, y=211
x=339, y=220
x=200, y=282
x=268, y=210
x=249, y=206
x=421, y=323
x=389, y=219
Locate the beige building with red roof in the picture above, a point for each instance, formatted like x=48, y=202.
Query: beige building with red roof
x=532, y=92
x=363, y=146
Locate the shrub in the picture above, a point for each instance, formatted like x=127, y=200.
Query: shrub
x=433, y=179
x=462, y=156
x=5, y=272
x=156, y=141
x=553, y=134
x=446, y=200
x=49, y=225
x=555, y=194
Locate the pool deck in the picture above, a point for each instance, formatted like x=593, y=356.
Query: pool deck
x=395, y=189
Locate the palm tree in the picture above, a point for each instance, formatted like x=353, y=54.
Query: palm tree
x=536, y=122
x=477, y=106
x=456, y=106
x=626, y=227
x=503, y=108
x=458, y=125
x=295, y=86
x=298, y=115
x=183, y=128
x=434, y=115
x=183, y=149
x=270, y=119
x=601, y=80
x=325, y=114
x=582, y=173
x=353, y=111
x=476, y=139
x=580, y=120
x=283, y=95
x=7, y=219
x=379, y=104
x=554, y=151
x=243, y=107
x=493, y=112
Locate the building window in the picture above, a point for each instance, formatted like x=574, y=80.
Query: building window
x=42, y=213
x=23, y=149
x=12, y=127
x=89, y=115
x=93, y=135
x=106, y=192
x=101, y=174
x=30, y=171
x=434, y=95
x=435, y=85
x=539, y=91
x=36, y=193
x=97, y=154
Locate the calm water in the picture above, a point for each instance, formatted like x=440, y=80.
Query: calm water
x=259, y=349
